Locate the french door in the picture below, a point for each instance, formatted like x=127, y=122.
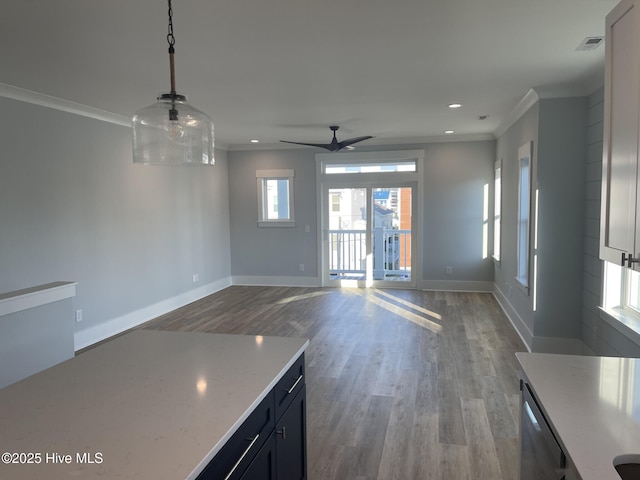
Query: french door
x=369, y=233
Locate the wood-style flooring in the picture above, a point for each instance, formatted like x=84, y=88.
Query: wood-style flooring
x=401, y=384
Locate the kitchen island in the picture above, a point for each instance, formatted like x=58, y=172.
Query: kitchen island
x=149, y=404
x=592, y=405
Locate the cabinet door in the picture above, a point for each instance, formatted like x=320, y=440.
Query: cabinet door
x=263, y=466
x=291, y=440
x=620, y=147
x=235, y=456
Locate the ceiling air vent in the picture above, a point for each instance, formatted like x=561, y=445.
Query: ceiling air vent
x=590, y=43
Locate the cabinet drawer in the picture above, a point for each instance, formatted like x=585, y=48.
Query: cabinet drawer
x=288, y=386
x=234, y=458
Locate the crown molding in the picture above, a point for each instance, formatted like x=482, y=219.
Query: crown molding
x=528, y=101
x=48, y=101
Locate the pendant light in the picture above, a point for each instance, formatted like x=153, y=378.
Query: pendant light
x=172, y=132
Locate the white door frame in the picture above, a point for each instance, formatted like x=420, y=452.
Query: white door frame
x=371, y=180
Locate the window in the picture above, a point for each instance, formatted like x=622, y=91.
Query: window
x=621, y=291
x=497, y=205
x=335, y=202
x=524, y=209
x=367, y=167
x=275, y=198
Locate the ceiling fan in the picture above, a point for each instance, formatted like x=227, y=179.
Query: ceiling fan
x=335, y=145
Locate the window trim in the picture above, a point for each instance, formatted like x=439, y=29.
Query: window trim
x=614, y=309
x=497, y=210
x=525, y=153
x=277, y=174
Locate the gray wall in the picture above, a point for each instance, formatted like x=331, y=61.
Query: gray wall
x=561, y=182
x=272, y=251
x=74, y=207
x=454, y=178
x=558, y=129
x=524, y=130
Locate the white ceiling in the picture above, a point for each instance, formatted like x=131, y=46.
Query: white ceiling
x=287, y=69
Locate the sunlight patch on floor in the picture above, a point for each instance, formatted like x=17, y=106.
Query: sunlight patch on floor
x=421, y=320
x=297, y=298
x=409, y=304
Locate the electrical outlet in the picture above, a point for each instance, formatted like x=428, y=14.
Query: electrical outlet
x=78, y=315
x=448, y=271
x=196, y=278
x=301, y=267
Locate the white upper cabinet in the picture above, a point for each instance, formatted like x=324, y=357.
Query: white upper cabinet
x=620, y=216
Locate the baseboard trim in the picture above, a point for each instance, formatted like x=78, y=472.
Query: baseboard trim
x=516, y=320
x=89, y=336
x=271, y=281
x=564, y=346
x=456, y=286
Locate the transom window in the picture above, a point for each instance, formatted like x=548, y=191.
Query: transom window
x=369, y=167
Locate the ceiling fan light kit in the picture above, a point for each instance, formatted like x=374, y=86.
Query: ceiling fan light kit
x=171, y=131
x=335, y=145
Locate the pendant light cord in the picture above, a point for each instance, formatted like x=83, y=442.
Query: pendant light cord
x=171, y=40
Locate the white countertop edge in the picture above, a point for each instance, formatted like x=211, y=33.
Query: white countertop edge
x=578, y=416
x=223, y=440
x=13, y=302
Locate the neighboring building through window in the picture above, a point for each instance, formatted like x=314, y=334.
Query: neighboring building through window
x=335, y=202
x=275, y=198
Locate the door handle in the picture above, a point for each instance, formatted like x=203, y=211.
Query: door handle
x=631, y=260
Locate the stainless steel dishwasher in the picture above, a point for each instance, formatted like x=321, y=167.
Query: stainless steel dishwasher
x=541, y=457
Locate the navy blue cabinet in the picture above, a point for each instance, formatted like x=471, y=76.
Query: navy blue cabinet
x=272, y=443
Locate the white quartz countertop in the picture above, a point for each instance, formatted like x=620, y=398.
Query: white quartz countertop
x=147, y=405
x=593, y=404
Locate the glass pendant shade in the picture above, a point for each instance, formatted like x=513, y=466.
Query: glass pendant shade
x=172, y=132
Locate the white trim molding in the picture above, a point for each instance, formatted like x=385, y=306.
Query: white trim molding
x=275, y=281
x=516, y=320
x=528, y=101
x=43, y=100
x=480, y=286
x=13, y=302
x=97, y=333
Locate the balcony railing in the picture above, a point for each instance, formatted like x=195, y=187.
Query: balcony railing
x=391, y=253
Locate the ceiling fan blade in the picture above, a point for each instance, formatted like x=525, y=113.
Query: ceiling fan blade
x=327, y=146
x=334, y=146
x=351, y=141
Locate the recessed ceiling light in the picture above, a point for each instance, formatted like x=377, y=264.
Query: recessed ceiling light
x=255, y=141
x=455, y=105
x=449, y=132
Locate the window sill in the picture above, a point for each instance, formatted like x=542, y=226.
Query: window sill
x=277, y=224
x=521, y=284
x=628, y=325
